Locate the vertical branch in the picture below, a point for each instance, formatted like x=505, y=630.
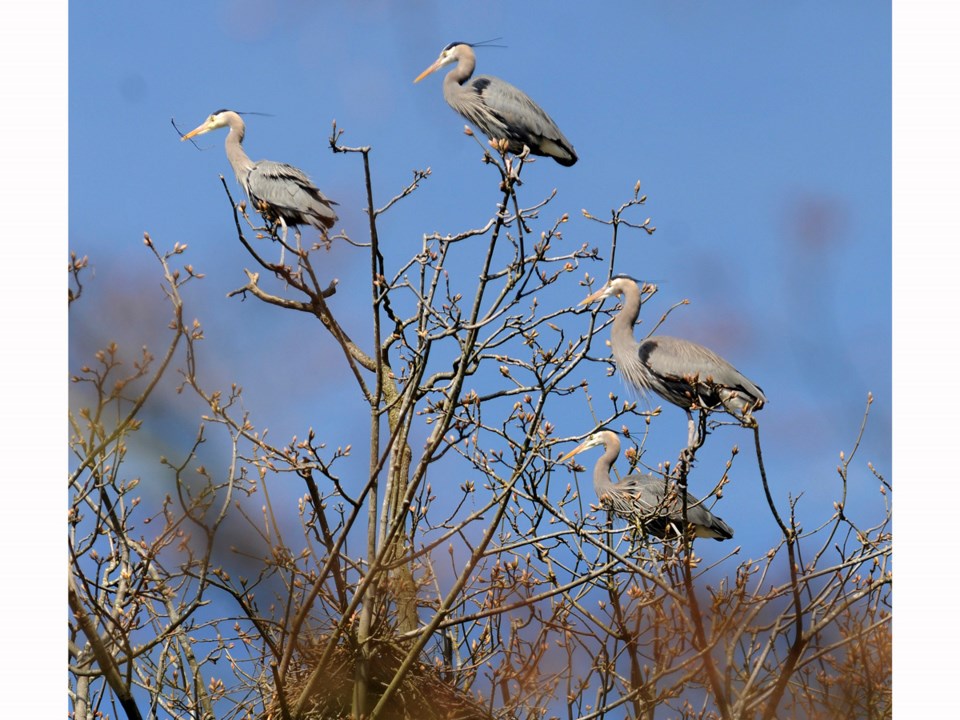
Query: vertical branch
x=717, y=684
x=641, y=709
x=799, y=640
x=361, y=688
x=700, y=636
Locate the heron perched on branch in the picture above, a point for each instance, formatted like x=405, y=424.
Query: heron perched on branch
x=500, y=110
x=279, y=192
x=683, y=373
x=645, y=499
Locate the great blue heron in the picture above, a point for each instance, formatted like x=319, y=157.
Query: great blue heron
x=500, y=110
x=279, y=192
x=684, y=373
x=646, y=499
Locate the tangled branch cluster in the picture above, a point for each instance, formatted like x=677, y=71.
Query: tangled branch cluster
x=446, y=568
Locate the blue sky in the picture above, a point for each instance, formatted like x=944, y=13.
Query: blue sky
x=760, y=133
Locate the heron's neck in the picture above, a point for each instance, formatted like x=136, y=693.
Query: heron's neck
x=464, y=69
x=601, y=471
x=621, y=334
x=239, y=160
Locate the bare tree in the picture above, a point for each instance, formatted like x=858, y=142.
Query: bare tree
x=454, y=571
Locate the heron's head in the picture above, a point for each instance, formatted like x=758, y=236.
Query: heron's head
x=217, y=120
x=601, y=437
x=450, y=54
x=617, y=286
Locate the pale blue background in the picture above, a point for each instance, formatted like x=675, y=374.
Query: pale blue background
x=760, y=133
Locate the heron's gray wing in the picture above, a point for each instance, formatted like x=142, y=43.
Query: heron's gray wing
x=647, y=490
x=645, y=496
x=522, y=120
x=663, y=505
x=287, y=191
x=681, y=366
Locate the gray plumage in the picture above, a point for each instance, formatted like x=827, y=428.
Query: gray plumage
x=682, y=372
x=500, y=110
x=279, y=192
x=645, y=499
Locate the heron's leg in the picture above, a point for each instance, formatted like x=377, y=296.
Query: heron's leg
x=283, y=239
x=521, y=161
x=686, y=455
x=696, y=435
x=696, y=431
x=508, y=166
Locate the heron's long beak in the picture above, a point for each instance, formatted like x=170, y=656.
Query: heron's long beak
x=196, y=131
x=578, y=449
x=429, y=70
x=590, y=299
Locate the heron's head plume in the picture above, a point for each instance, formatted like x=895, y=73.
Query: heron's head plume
x=480, y=43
